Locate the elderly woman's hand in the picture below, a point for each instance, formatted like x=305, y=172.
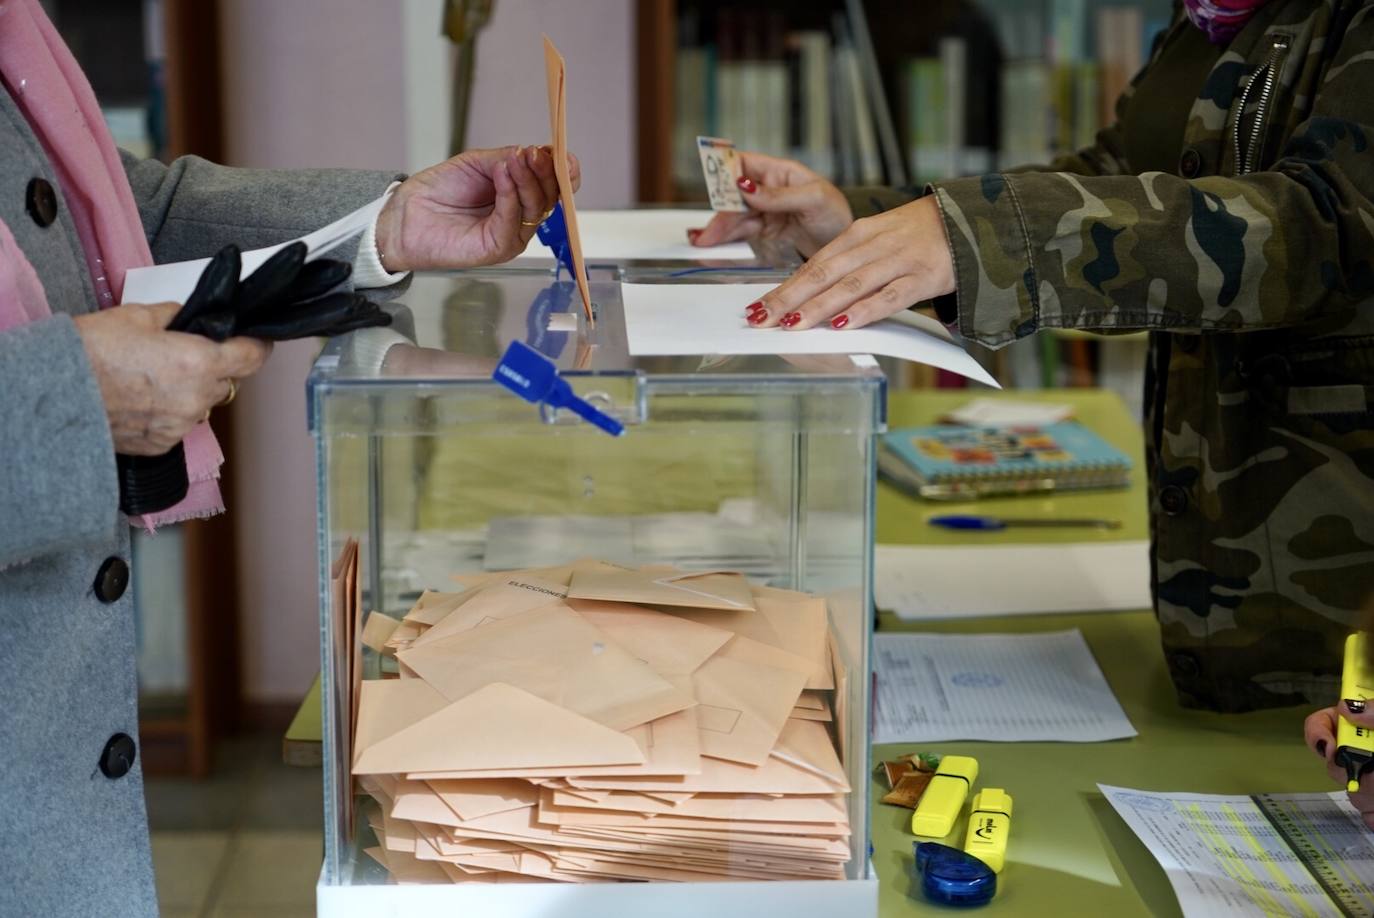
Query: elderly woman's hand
x=1320, y=733
x=157, y=384
x=479, y=208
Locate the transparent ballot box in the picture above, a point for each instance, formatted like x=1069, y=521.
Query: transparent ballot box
x=572, y=674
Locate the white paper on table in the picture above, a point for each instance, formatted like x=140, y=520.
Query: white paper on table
x=674, y=319
x=615, y=235
x=919, y=583
x=1006, y=687
x=176, y=281
x=999, y=412
x=1241, y=856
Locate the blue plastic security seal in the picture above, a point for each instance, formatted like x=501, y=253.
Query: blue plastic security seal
x=534, y=377
x=553, y=232
x=953, y=877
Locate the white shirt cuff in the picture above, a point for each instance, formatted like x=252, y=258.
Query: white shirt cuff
x=368, y=272
x=367, y=348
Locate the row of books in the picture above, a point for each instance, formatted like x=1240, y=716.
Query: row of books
x=1010, y=86
x=800, y=94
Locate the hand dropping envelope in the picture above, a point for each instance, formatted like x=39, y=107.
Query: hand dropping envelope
x=554, y=653
x=496, y=727
x=556, y=72
x=710, y=590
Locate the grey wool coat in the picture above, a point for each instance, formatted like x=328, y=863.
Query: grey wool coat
x=76, y=824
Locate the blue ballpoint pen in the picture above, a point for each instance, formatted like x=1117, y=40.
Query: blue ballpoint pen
x=997, y=524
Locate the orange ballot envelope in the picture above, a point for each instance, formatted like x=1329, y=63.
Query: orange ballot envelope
x=556, y=72
x=498, y=726
x=712, y=590
x=592, y=723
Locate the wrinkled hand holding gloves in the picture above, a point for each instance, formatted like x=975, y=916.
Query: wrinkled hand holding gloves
x=284, y=299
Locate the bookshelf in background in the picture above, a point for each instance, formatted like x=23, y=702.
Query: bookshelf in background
x=962, y=87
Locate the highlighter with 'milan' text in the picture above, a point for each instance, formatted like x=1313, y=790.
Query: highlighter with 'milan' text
x=988, y=827
x=1355, y=744
x=944, y=796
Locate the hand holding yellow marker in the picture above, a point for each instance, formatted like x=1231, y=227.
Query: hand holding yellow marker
x=1355, y=744
x=944, y=796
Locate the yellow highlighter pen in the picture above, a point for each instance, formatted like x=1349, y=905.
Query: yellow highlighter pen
x=944, y=796
x=988, y=827
x=1355, y=744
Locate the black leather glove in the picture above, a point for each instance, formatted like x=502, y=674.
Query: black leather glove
x=284, y=299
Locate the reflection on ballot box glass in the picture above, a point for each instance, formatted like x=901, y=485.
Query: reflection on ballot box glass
x=558, y=662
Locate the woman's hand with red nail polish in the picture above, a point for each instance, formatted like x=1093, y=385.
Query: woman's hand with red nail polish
x=878, y=267
x=839, y=322
x=787, y=202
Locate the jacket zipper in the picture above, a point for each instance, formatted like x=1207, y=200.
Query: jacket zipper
x=1247, y=157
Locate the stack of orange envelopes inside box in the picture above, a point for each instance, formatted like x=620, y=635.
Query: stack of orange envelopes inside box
x=592, y=723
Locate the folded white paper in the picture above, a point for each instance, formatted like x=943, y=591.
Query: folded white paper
x=1009, y=687
x=675, y=319
x=918, y=582
x=618, y=235
x=174, y=282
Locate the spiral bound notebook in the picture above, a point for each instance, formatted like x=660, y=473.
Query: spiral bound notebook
x=948, y=462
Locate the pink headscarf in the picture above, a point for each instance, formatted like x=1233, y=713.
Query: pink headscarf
x=52, y=92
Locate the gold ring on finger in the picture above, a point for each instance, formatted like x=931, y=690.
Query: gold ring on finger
x=233, y=391
x=548, y=213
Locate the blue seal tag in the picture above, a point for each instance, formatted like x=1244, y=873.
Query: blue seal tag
x=953, y=877
x=534, y=377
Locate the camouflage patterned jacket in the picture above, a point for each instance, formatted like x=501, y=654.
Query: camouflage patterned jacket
x=1252, y=266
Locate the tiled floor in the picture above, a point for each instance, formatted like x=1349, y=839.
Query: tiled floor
x=245, y=842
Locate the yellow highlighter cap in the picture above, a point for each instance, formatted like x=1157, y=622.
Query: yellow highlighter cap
x=959, y=766
x=992, y=800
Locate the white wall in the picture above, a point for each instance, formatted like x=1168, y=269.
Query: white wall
x=356, y=83
x=510, y=100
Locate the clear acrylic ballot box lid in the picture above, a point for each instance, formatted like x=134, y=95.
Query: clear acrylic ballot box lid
x=571, y=674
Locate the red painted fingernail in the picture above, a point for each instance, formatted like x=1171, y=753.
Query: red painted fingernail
x=791, y=319
x=758, y=318
x=747, y=185
x=755, y=307
x=1321, y=748
x=839, y=322
x=692, y=234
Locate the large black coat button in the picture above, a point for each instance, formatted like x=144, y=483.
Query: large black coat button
x=1184, y=664
x=1173, y=500
x=111, y=580
x=1190, y=164
x=118, y=756
x=40, y=200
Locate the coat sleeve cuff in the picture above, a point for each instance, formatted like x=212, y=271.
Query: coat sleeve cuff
x=57, y=470
x=998, y=299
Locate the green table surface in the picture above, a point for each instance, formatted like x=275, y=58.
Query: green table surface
x=1069, y=854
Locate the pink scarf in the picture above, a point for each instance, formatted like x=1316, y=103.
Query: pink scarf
x=48, y=86
x=1221, y=20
